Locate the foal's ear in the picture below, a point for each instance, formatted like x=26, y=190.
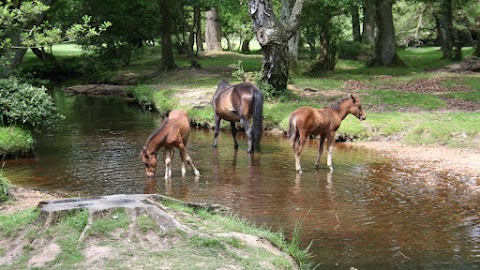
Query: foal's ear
x=354, y=97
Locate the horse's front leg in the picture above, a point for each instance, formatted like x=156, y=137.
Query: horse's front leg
x=168, y=162
x=234, y=134
x=330, y=141
x=320, y=149
x=248, y=131
x=217, y=128
x=187, y=159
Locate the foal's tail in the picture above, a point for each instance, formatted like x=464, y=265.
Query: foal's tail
x=257, y=125
x=292, y=128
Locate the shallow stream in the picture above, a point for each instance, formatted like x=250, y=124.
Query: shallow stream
x=369, y=213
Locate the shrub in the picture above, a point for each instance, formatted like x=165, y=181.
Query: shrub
x=26, y=105
x=354, y=50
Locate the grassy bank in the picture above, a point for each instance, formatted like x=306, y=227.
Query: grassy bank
x=113, y=243
x=408, y=104
x=15, y=141
x=421, y=103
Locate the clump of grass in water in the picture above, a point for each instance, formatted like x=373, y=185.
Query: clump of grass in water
x=4, y=185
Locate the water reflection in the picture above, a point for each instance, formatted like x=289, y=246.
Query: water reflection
x=369, y=213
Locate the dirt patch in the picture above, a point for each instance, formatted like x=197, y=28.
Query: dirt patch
x=460, y=163
x=24, y=198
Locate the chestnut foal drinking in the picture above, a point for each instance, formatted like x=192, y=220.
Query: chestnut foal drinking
x=173, y=132
x=306, y=121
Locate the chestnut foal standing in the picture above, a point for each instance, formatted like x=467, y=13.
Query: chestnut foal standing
x=306, y=121
x=173, y=132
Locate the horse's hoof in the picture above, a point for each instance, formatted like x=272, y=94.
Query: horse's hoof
x=331, y=168
x=299, y=171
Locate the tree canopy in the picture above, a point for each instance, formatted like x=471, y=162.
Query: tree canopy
x=323, y=29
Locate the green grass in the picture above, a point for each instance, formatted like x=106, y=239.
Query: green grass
x=15, y=141
x=164, y=101
x=10, y=223
x=470, y=82
x=453, y=129
x=402, y=99
x=67, y=50
x=114, y=220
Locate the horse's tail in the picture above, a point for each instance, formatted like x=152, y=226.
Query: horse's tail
x=292, y=127
x=257, y=125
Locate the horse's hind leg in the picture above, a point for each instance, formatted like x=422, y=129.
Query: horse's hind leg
x=320, y=149
x=330, y=140
x=298, y=145
x=217, y=128
x=234, y=134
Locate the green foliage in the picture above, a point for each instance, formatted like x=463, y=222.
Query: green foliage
x=354, y=51
x=4, y=185
x=15, y=141
x=22, y=27
x=26, y=105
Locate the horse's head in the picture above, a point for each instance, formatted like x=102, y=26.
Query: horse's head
x=356, y=108
x=150, y=161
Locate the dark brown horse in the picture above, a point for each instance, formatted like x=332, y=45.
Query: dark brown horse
x=173, y=132
x=306, y=121
x=239, y=103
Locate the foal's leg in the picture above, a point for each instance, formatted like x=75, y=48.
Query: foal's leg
x=168, y=162
x=217, y=128
x=186, y=158
x=330, y=141
x=298, y=145
x=234, y=134
x=248, y=132
x=320, y=149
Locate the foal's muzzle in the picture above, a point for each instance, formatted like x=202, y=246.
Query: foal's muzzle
x=362, y=117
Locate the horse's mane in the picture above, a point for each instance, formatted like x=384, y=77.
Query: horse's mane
x=223, y=85
x=162, y=126
x=336, y=106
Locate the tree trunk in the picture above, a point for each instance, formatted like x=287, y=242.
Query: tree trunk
x=213, y=34
x=385, y=53
x=326, y=59
x=445, y=22
x=197, y=18
x=273, y=37
x=356, y=24
x=477, y=48
x=287, y=6
x=368, y=34
x=246, y=43
x=168, y=62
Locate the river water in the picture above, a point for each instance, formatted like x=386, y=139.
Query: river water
x=369, y=213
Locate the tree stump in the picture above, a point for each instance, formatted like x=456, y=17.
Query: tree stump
x=135, y=205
